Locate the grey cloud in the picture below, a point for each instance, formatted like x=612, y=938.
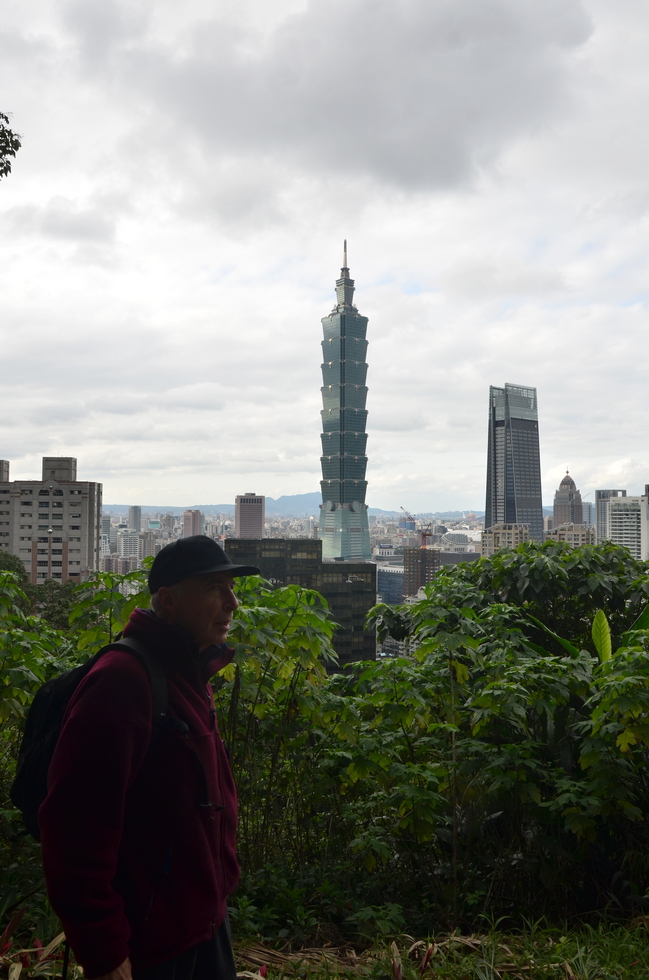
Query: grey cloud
x=419, y=94
x=64, y=219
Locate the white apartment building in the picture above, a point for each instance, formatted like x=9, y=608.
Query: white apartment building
x=249, y=516
x=574, y=534
x=503, y=536
x=54, y=524
x=128, y=543
x=627, y=523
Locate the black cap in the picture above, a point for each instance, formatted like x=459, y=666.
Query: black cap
x=187, y=557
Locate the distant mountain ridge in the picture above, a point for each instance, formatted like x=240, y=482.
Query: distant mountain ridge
x=288, y=505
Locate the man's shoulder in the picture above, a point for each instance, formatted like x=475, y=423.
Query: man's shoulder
x=115, y=682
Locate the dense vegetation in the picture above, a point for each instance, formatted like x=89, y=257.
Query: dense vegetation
x=498, y=768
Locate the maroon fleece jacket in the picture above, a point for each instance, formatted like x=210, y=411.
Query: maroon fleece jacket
x=138, y=826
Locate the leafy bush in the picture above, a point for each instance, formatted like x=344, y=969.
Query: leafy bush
x=499, y=768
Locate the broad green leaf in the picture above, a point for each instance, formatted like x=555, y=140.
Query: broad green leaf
x=566, y=644
x=602, y=636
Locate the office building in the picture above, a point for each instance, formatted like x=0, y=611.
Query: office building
x=348, y=587
x=573, y=534
x=343, y=526
x=135, y=518
x=588, y=513
x=389, y=584
x=249, y=516
x=568, y=507
x=601, y=511
x=53, y=524
x=503, y=536
x=420, y=565
x=627, y=523
x=192, y=523
x=513, y=460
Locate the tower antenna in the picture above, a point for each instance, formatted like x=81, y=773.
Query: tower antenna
x=345, y=266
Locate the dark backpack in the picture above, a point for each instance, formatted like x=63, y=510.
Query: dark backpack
x=43, y=726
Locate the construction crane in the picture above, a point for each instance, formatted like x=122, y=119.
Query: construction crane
x=424, y=531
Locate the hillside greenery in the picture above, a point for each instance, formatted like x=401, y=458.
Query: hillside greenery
x=497, y=769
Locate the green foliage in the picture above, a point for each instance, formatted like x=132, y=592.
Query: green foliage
x=499, y=769
x=12, y=563
x=557, y=586
x=10, y=143
x=103, y=605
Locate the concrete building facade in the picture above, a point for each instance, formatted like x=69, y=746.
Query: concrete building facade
x=192, y=523
x=249, y=516
x=567, y=503
x=627, y=523
x=503, y=536
x=574, y=534
x=53, y=524
x=601, y=511
x=135, y=518
x=420, y=565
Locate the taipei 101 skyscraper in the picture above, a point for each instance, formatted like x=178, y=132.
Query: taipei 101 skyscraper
x=344, y=528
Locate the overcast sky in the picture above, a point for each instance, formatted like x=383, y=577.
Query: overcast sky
x=173, y=225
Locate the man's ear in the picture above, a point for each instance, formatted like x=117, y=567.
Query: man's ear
x=166, y=601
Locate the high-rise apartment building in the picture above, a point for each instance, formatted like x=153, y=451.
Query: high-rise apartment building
x=568, y=507
x=573, y=534
x=343, y=525
x=249, y=516
x=54, y=524
x=192, y=523
x=420, y=565
x=135, y=518
x=601, y=511
x=627, y=523
x=128, y=543
x=500, y=536
x=513, y=460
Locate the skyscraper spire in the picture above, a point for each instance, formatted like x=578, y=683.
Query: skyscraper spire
x=344, y=285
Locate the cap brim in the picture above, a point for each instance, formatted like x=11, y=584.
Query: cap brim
x=237, y=571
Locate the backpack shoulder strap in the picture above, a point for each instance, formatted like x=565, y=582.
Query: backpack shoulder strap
x=157, y=678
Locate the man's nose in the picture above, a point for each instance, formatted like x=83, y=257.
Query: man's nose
x=233, y=601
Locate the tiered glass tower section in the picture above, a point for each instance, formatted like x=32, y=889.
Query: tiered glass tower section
x=343, y=528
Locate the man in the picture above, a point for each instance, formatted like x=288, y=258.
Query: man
x=138, y=827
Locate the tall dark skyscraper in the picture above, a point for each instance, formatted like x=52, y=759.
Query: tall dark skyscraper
x=343, y=527
x=513, y=460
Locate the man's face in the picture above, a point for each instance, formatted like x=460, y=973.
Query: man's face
x=203, y=605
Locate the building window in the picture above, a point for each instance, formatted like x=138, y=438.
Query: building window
x=75, y=527
x=57, y=563
x=41, y=563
